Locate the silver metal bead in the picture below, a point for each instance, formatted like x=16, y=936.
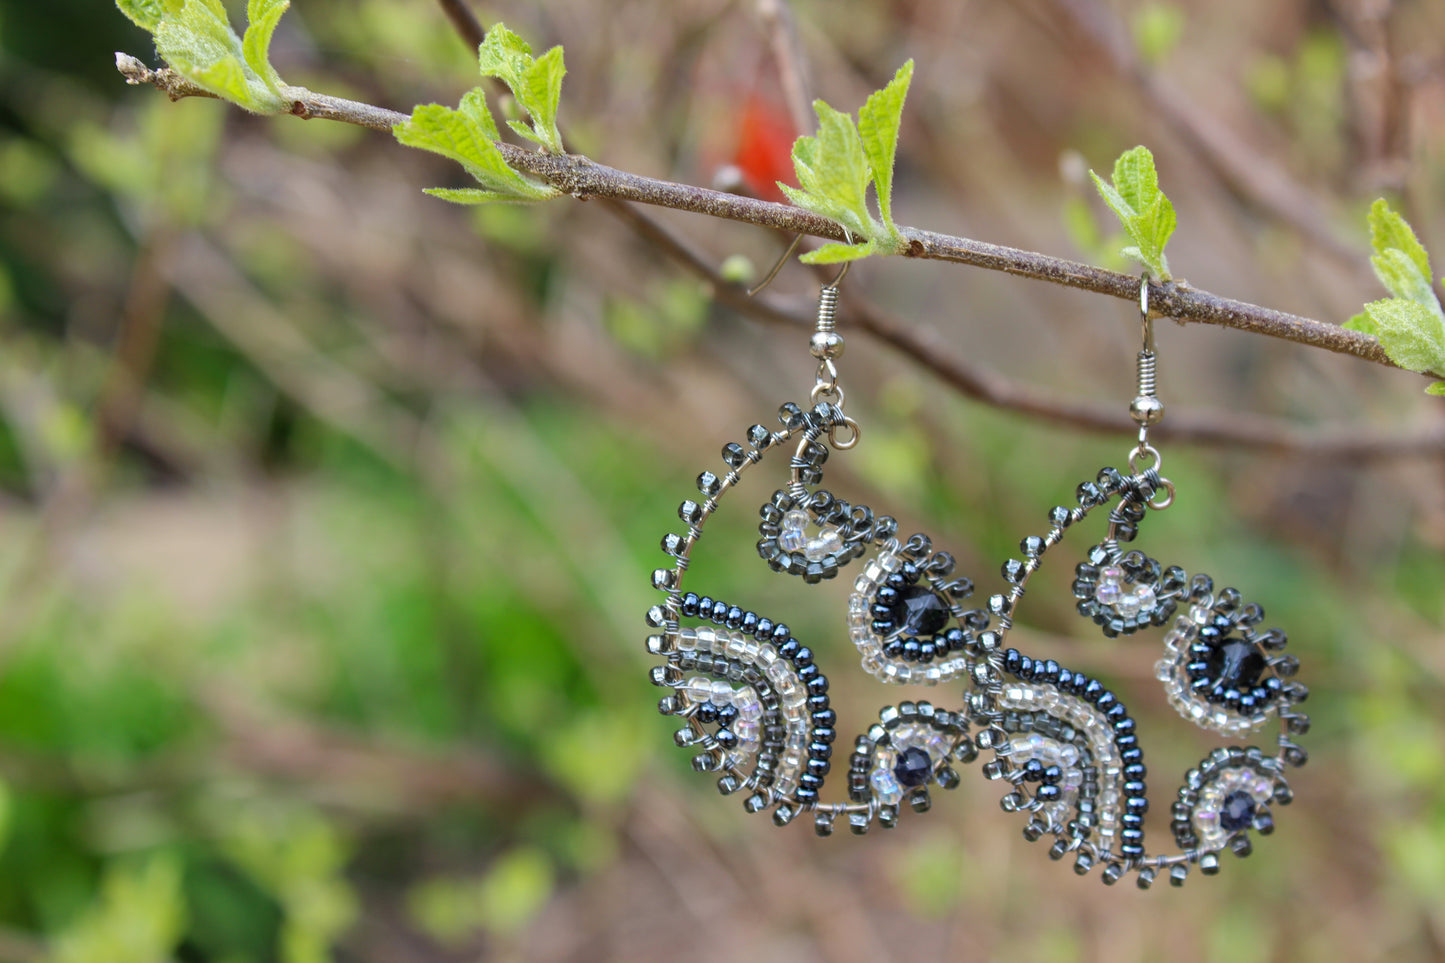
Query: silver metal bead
x=826, y=344
x=1146, y=410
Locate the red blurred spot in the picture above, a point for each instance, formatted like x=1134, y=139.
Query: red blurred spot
x=765, y=145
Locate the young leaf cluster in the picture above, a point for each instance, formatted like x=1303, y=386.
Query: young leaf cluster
x=1410, y=325
x=468, y=134
x=535, y=83
x=1145, y=211
x=835, y=167
x=196, y=39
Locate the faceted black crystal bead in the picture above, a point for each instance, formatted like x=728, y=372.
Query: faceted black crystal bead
x=1234, y=663
x=1236, y=812
x=919, y=611
x=913, y=767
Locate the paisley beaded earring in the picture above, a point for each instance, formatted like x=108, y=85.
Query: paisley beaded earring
x=755, y=708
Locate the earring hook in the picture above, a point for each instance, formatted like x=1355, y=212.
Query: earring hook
x=1146, y=319
x=793, y=246
x=777, y=266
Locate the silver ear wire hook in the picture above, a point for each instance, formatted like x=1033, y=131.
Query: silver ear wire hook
x=1146, y=409
x=777, y=266
x=826, y=345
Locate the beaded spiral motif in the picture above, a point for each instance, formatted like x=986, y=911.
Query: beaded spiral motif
x=755, y=707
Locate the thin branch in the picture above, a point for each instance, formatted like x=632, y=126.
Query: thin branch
x=465, y=22
x=584, y=178
x=788, y=55
x=929, y=351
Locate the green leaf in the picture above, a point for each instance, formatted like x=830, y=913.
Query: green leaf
x=1401, y=276
x=544, y=96
x=467, y=135
x=1411, y=334
x=1143, y=209
x=536, y=84
x=1363, y=324
x=833, y=173
x=469, y=195
x=1390, y=231
x=834, y=253
x=197, y=40
x=1438, y=388
x=1135, y=178
x=149, y=13
x=263, y=15
x=878, y=122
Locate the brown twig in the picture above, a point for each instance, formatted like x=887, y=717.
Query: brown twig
x=788, y=55
x=465, y=22
x=926, y=349
x=583, y=178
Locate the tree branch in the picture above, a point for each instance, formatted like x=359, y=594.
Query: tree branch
x=929, y=351
x=584, y=178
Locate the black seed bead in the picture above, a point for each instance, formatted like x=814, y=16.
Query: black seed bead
x=809, y=781
x=818, y=686
x=749, y=623
x=1011, y=661
x=818, y=766
x=1135, y=770
x=1106, y=701
x=764, y=630
x=781, y=633
x=1136, y=804
x=727, y=715
x=790, y=648
x=690, y=604
x=1065, y=681
x=911, y=649
x=726, y=738
x=1093, y=689
x=719, y=613
x=807, y=672
x=1048, y=793
x=825, y=717
x=1126, y=742
x=706, y=713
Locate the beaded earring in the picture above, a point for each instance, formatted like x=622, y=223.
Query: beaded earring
x=755, y=707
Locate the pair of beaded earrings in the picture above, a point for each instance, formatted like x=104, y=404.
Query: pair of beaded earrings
x=754, y=703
